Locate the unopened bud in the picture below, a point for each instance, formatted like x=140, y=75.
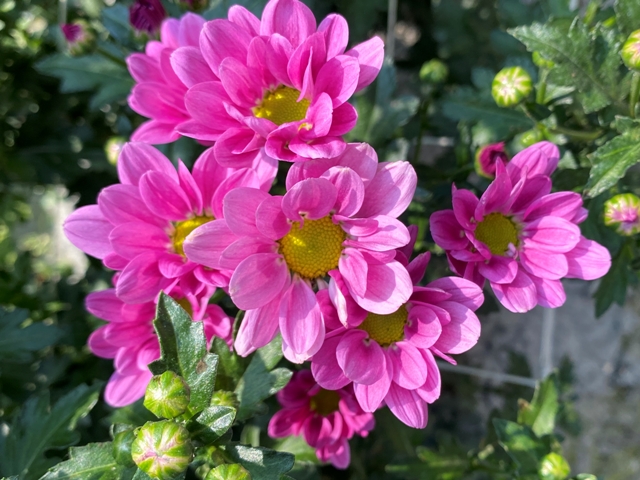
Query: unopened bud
x=162, y=450
x=511, y=86
x=167, y=395
x=528, y=138
x=122, y=442
x=540, y=61
x=113, y=147
x=434, y=71
x=232, y=471
x=223, y=398
x=623, y=213
x=631, y=51
x=553, y=467
x=147, y=15
x=487, y=157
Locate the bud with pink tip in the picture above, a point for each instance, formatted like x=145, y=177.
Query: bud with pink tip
x=487, y=157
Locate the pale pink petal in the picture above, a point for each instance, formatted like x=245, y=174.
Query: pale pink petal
x=353, y=268
x=89, y=230
x=258, y=280
x=391, y=234
x=552, y=234
x=462, y=332
x=349, y=313
x=550, y=292
x=499, y=269
x=409, y=368
x=588, y=260
x=270, y=220
x=518, y=296
x=391, y=190
x=407, y=406
x=207, y=242
x=462, y=291
x=388, y=287
x=290, y=18
x=430, y=391
x=362, y=360
x=370, y=55
x=312, y=199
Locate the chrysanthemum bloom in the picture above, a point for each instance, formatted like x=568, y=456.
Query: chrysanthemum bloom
x=139, y=226
x=146, y=15
x=519, y=236
x=326, y=419
x=324, y=230
x=623, y=212
x=390, y=358
x=159, y=93
x=284, y=84
x=487, y=157
x=129, y=338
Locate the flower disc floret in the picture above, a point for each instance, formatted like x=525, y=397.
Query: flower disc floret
x=183, y=229
x=325, y=402
x=498, y=232
x=283, y=105
x=312, y=248
x=386, y=329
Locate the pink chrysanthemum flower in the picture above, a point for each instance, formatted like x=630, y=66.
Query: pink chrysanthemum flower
x=129, y=338
x=159, y=93
x=519, y=235
x=284, y=84
x=326, y=419
x=390, y=358
x=146, y=15
x=334, y=228
x=138, y=226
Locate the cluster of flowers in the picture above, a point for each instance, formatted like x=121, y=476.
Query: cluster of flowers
x=328, y=265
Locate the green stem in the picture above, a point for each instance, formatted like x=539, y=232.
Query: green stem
x=635, y=94
x=422, y=110
x=524, y=109
x=586, y=135
x=541, y=90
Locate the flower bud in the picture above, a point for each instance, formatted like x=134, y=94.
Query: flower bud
x=113, y=147
x=162, y=449
x=487, y=157
x=631, y=51
x=623, y=213
x=528, y=138
x=223, y=398
x=511, y=86
x=122, y=447
x=540, y=61
x=147, y=15
x=553, y=467
x=434, y=71
x=232, y=471
x=167, y=395
x=73, y=32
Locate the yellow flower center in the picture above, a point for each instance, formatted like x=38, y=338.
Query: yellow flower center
x=325, y=402
x=313, y=249
x=281, y=106
x=497, y=231
x=186, y=304
x=386, y=329
x=183, y=229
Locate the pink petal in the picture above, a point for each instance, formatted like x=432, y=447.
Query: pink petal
x=131, y=239
x=349, y=188
x=499, y=269
x=240, y=206
x=370, y=397
x=290, y=18
x=391, y=234
x=286, y=422
x=154, y=132
x=388, y=287
x=221, y=39
x=361, y=360
x=462, y=291
x=243, y=17
x=391, y=190
x=124, y=390
x=191, y=67
x=208, y=174
x=418, y=267
x=324, y=147
x=307, y=59
x=164, y=197
x=99, y=346
x=172, y=265
x=464, y=207
x=496, y=195
x=325, y=367
x=559, y=204
x=430, y=391
x=446, y=231
x=239, y=83
x=258, y=280
x=552, y=234
x=258, y=328
x=312, y=199
x=407, y=406
x=136, y=159
x=550, y=292
x=533, y=189
x=370, y=55
x=424, y=327
x=238, y=147
x=89, y=230
x=270, y=220
x=141, y=281
x=539, y=159
x=344, y=120
x=122, y=204
x=349, y=313
x=353, y=268
x=518, y=296
x=462, y=332
x=240, y=178
x=189, y=30
x=339, y=78
x=244, y=247
x=588, y=260
x=105, y=305
x=279, y=51
x=409, y=368
x=143, y=68
x=336, y=32
x=539, y=263
x=207, y=242
x=214, y=119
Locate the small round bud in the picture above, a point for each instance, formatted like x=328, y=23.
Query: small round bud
x=122, y=442
x=167, y=395
x=487, y=157
x=623, y=213
x=232, y=471
x=540, y=61
x=223, y=398
x=528, y=138
x=162, y=449
x=553, y=467
x=511, y=86
x=434, y=71
x=631, y=51
x=113, y=147
x=147, y=15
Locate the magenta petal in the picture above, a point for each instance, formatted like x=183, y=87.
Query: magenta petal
x=189, y=30
x=518, y=296
x=154, y=132
x=349, y=187
x=243, y=17
x=499, y=269
x=191, y=67
x=131, y=239
x=550, y=292
x=258, y=280
x=306, y=60
x=207, y=242
x=362, y=360
x=588, y=260
x=462, y=332
x=424, y=327
x=446, y=231
x=238, y=147
x=270, y=220
x=258, y=328
x=391, y=190
x=89, y=230
x=464, y=207
x=244, y=247
x=409, y=369
x=240, y=178
x=418, y=266
x=533, y=189
x=552, y=234
x=221, y=39
x=164, y=197
x=290, y=18
x=172, y=265
x=407, y=406
x=339, y=78
x=370, y=55
x=312, y=199
x=240, y=206
x=344, y=307
x=430, y=391
x=239, y=83
x=141, y=281
x=370, y=397
x=539, y=263
x=325, y=367
x=279, y=51
x=208, y=174
x=105, y=305
x=124, y=390
x=323, y=147
x=390, y=234
x=539, y=159
x=344, y=119
x=496, y=195
x=353, y=268
x=559, y=204
x=336, y=32
x=122, y=204
x=136, y=159
x=99, y=346
x=462, y=291
x=143, y=68
x=388, y=288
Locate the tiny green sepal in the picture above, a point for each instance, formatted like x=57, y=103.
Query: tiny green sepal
x=167, y=395
x=162, y=450
x=122, y=442
x=511, y=86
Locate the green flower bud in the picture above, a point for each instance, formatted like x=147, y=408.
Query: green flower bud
x=122, y=442
x=228, y=472
x=167, y=395
x=553, y=467
x=113, y=147
x=162, y=449
x=434, y=71
x=530, y=137
x=623, y=213
x=511, y=86
x=223, y=398
x=631, y=51
x=540, y=61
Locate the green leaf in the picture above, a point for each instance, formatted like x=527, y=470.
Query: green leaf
x=612, y=160
x=38, y=428
x=613, y=286
x=262, y=463
x=17, y=343
x=183, y=348
x=540, y=414
x=116, y=20
x=259, y=380
x=134, y=414
x=230, y=365
x=91, y=462
x=212, y=423
x=522, y=445
x=588, y=60
x=627, y=15
x=298, y=447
